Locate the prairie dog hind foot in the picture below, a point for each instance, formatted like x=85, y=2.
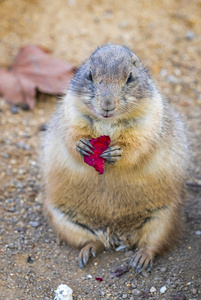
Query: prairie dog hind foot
x=91, y=249
x=142, y=261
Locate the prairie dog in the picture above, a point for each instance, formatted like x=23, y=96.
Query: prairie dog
x=137, y=201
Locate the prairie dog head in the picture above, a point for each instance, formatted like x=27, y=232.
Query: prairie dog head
x=112, y=83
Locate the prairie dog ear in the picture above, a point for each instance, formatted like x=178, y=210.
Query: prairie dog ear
x=135, y=61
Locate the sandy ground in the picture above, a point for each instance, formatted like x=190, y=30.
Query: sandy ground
x=166, y=35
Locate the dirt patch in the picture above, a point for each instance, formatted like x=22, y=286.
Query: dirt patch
x=166, y=35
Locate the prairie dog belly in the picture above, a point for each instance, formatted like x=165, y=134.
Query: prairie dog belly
x=99, y=201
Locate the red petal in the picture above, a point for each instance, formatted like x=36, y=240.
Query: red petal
x=99, y=279
x=100, y=144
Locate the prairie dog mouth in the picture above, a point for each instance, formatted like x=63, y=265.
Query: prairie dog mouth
x=107, y=113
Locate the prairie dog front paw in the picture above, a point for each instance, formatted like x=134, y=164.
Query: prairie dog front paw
x=84, y=147
x=112, y=155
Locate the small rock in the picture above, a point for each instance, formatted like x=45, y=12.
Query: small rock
x=21, y=171
x=11, y=246
x=172, y=79
x=25, y=107
x=34, y=224
x=21, y=229
x=163, y=72
x=23, y=146
x=178, y=297
x=89, y=276
x=135, y=292
x=14, y=110
x=43, y=127
x=198, y=232
x=145, y=273
x=102, y=293
x=194, y=291
x=152, y=289
x=163, y=290
x=123, y=25
x=11, y=209
x=128, y=253
x=63, y=292
x=5, y=155
x=190, y=35
x=30, y=260
x=145, y=294
x=72, y=2
x=124, y=296
x=163, y=270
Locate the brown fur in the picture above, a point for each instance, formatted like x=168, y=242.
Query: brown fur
x=137, y=201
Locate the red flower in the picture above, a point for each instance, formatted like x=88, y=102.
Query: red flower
x=100, y=144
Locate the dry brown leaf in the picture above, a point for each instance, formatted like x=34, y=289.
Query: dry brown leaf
x=32, y=70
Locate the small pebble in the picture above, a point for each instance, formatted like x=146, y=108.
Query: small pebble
x=43, y=127
x=123, y=25
x=194, y=291
x=23, y=146
x=163, y=270
x=72, y=2
x=163, y=290
x=63, y=292
x=124, y=296
x=11, y=209
x=145, y=273
x=21, y=171
x=179, y=297
x=133, y=284
x=172, y=79
x=14, y=110
x=190, y=35
x=30, y=260
x=102, y=293
x=5, y=155
x=152, y=289
x=128, y=253
x=25, y=107
x=89, y=276
x=198, y=232
x=34, y=224
x=135, y=292
x=11, y=245
x=145, y=294
x=163, y=72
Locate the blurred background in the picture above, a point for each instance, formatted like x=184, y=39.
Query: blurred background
x=165, y=34
x=162, y=31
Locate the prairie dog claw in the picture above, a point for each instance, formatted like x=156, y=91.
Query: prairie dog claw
x=90, y=249
x=112, y=154
x=84, y=147
x=141, y=261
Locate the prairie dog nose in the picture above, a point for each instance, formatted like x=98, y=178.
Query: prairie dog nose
x=107, y=104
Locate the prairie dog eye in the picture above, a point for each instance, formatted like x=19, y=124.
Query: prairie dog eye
x=130, y=78
x=89, y=77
